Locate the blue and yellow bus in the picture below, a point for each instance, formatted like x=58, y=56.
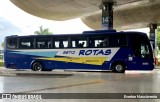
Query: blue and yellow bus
x=91, y=50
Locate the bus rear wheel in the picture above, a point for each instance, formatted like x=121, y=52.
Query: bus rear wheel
x=118, y=68
x=37, y=66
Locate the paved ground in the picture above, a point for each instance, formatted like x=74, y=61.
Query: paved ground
x=110, y=84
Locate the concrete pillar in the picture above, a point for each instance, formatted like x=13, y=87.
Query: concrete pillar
x=153, y=35
x=153, y=38
x=107, y=15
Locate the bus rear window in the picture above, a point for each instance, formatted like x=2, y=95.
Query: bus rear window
x=12, y=43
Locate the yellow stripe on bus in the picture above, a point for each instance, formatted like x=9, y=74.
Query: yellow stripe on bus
x=84, y=60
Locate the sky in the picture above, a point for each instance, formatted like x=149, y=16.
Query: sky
x=14, y=21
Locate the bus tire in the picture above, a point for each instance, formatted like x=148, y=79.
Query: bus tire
x=118, y=67
x=37, y=66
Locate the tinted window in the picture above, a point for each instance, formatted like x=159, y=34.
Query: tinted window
x=12, y=43
x=117, y=40
x=43, y=43
x=26, y=43
x=60, y=43
x=98, y=41
x=79, y=42
x=140, y=45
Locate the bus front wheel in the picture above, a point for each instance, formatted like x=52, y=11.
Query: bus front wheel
x=37, y=66
x=118, y=68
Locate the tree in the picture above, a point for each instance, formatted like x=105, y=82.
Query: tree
x=2, y=44
x=42, y=31
x=158, y=37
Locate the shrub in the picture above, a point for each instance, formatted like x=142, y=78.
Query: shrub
x=1, y=64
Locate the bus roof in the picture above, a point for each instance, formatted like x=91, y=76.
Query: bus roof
x=97, y=32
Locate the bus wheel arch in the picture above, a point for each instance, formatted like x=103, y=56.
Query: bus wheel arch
x=37, y=66
x=118, y=66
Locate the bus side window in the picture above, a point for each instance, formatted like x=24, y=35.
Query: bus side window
x=12, y=43
x=49, y=44
x=74, y=44
x=61, y=44
x=43, y=43
x=56, y=44
x=65, y=44
x=92, y=43
x=26, y=43
x=118, y=40
x=99, y=41
x=53, y=44
x=81, y=44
